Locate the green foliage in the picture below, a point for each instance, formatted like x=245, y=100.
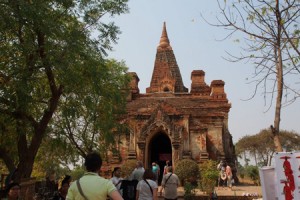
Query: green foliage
x=53, y=74
x=208, y=176
x=252, y=172
x=77, y=173
x=128, y=167
x=54, y=155
x=241, y=171
x=88, y=119
x=186, y=169
x=249, y=172
x=251, y=145
x=189, y=191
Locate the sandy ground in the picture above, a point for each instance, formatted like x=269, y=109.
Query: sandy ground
x=236, y=191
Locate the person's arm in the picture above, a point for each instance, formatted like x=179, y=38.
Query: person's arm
x=162, y=184
x=115, y=195
x=131, y=177
x=137, y=195
x=155, y=193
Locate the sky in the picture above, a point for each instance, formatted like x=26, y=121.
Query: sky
x=197, y=46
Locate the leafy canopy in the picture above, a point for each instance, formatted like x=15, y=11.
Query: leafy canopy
x=52, y=68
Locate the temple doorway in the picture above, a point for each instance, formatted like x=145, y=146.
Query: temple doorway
x=160, y=150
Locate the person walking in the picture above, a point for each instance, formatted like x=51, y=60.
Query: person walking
x=147, y=188
x=169, y=184
x=138, y=172
x=222, y=174
x=155, y=170
x=92, y=186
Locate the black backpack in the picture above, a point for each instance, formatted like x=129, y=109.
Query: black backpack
x=129, y=189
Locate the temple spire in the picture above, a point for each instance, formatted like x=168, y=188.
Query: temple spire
x=164, y=42
x=166, y=75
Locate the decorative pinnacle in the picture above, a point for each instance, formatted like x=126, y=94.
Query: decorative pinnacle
x=164, y=42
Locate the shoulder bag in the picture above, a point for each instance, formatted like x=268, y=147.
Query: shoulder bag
x=149, y=186
x=80, y=189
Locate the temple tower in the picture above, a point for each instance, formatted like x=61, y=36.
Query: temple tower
x=166, y=75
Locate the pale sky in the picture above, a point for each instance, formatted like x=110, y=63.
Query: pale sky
x=196, y=47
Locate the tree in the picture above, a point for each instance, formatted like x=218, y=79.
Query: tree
x=263, y=154
x=271, y=38
x=47, y=53
x=89, y=118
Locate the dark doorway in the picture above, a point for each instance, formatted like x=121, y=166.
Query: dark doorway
x=160, y=150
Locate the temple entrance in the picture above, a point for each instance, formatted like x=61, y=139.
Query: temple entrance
x=160, y=150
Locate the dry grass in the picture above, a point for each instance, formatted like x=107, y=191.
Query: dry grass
x=247, y=181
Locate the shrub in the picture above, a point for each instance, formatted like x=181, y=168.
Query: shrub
x=189, y=191
x=186, y=169
x=208, y=176
x=128, y=167
x=252, y=172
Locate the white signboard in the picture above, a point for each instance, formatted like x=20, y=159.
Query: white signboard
x=287, y=175
x=268, y=184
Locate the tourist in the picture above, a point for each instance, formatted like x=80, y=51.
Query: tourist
x=222, y=174
x=68, y=179
x=229, y=176
x=155, y=170
x=147, y=187
x=51, y=187
x=62, y=192
x=91, y=186
x=138, y=172
x=158, y=171
x=116, y=178
x=13, y=191
x=166, y=166
x=169, y=184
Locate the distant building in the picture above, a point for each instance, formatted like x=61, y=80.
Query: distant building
x=170, y=123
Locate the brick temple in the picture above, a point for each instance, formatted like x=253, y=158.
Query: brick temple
x=168, y=122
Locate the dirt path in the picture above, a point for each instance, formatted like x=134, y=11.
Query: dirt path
x=236, y=191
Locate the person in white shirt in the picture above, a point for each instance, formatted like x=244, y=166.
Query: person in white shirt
x=116, y=178
x=169, y=183
x=138, y=172
x=146, y=188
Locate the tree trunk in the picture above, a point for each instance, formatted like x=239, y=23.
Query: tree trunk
x=27, y=153
x=279, y=74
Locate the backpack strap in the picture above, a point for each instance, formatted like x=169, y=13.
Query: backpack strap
x=149, y=186
x=80, y=189
x=168, y=179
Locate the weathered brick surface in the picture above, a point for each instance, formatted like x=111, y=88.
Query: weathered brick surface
x=195, y=122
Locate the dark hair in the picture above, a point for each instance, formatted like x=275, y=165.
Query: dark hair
x=11, y=185
x=93, y=162
x=170, y=169
x=148, y=174
x=67, y=178
x=115, y=169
